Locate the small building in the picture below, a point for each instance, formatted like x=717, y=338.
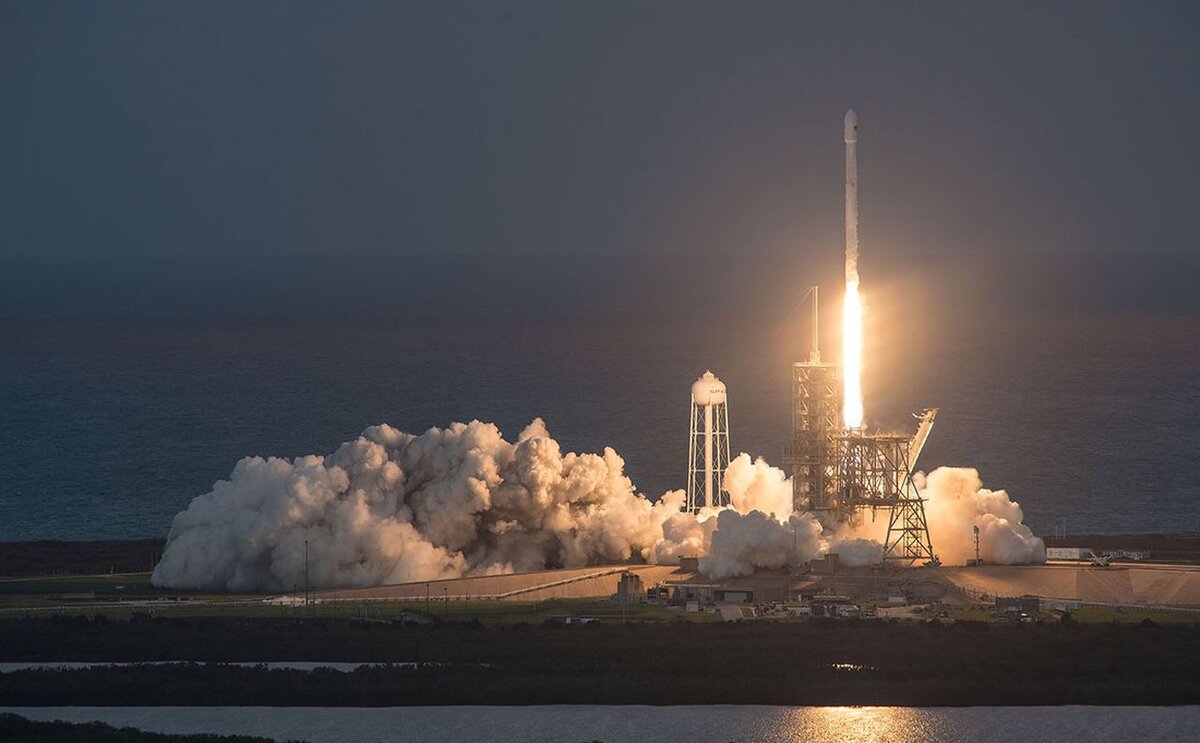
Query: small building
x=571, y=619
x=826, y=605
x=658, y=594
x=712, y=593
x=827, y=565
x=1018, y=605
x=630, y=589
x=689, y=564
x=1068, y=553
x=763, y=586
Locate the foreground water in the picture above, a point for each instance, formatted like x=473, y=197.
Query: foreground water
x=572, y=724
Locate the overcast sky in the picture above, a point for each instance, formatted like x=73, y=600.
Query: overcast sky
x=564, y=128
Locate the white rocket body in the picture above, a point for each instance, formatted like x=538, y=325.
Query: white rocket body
x=851, y=137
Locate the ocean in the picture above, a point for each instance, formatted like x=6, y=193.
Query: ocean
x=112, y=420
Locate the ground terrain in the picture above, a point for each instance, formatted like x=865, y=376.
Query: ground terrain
x=818, y=662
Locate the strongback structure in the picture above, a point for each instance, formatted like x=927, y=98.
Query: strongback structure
x=708, y=444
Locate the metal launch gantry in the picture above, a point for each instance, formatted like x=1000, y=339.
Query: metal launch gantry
x=874, y=471
x=839, y=473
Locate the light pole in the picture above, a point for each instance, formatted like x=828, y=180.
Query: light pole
x=306, y=572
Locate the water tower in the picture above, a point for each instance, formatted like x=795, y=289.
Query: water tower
x=708, y=447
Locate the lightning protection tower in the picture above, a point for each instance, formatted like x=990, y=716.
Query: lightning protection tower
x=708, y=445
x=816, y=423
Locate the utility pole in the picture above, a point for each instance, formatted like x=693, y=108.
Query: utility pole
x=306, y=572
x=426, y=598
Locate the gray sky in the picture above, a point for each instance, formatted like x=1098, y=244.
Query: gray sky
x=269, y=128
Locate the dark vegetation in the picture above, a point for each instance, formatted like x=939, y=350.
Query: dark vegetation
x=49, y=557
x=17, y=729
x=810, y=663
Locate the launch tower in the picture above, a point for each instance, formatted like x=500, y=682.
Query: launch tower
x=816, y=421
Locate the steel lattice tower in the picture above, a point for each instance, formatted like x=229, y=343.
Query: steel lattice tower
x=908, y=532
x=708, y=444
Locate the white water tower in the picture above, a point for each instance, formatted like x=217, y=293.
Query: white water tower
x=708, y=446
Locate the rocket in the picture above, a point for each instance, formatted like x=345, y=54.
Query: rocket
x=851, y=137
x=852, y=312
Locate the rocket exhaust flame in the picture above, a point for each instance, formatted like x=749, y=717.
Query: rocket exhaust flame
x=852, y=309
x=852, y=344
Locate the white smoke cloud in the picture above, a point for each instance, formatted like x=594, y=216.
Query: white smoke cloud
x=745, y=542
x=956, y=501
x=757, y=486
x=392, y=507
x=685, y=534
x=857, y=552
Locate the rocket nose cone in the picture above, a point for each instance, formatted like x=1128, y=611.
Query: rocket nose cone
x=851, y=129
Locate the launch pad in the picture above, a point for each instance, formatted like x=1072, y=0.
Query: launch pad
x=839, y=470
x=839, y=474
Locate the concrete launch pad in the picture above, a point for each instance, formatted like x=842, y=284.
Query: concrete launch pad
x=567, y=583
x=1149, y=584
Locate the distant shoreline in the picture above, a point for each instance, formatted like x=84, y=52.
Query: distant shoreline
x=19, y=559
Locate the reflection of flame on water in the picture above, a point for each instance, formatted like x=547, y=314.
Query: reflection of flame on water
x=852, y=354
x=861, y=724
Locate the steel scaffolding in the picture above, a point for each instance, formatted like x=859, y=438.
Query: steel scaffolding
x=840, y=474
x=816, y=419
x=874, y=472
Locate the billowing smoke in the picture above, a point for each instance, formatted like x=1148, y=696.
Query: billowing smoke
x=744, y=542
x=956, y=501
x=757, y=486
x=392, y=507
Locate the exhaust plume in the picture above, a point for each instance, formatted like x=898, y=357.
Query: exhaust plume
x=956, y=501
x=393, y=507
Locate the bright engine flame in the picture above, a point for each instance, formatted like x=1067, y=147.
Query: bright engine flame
x=852, y=354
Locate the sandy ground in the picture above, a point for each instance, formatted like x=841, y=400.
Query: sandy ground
x=1158, y=585
x=1164, y=585
x=537, y=586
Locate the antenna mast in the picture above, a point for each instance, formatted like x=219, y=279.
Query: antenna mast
x=814, y=356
